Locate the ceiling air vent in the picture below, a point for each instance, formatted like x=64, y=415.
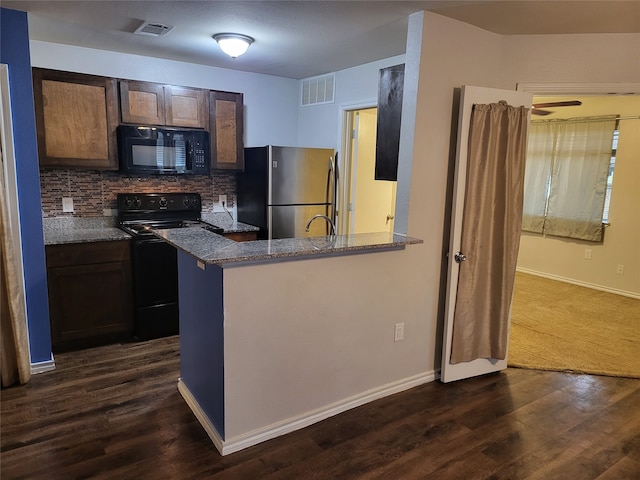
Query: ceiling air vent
x=318, y=90
x=153, y=29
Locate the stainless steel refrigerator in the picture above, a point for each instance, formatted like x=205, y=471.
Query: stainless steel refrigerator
x=283, y=188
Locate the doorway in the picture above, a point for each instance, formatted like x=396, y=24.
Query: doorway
x=587, y=264
x=369, y=204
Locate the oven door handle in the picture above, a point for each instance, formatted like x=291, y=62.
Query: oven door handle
x=143, y=241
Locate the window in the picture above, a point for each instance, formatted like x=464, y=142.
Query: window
x=569, y=164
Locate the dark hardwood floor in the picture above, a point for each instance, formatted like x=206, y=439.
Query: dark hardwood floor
x=115, y=413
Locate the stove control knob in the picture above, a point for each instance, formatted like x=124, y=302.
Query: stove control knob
x=137, y=202
x=195, y=201
x=128, y=202
x=163, y=202
x=185, y=200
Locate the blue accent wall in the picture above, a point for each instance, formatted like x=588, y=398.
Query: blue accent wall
x=200, y=295
x=14, y=51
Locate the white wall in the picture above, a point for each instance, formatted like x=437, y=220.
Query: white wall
x=271, y=103
x=453, y=54
x=328, y=335
x=596, y=58
x=321, y=125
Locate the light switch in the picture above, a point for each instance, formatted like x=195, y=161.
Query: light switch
x=67, y=204
x=399, y=332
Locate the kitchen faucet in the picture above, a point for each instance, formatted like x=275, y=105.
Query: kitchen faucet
x=333, y=226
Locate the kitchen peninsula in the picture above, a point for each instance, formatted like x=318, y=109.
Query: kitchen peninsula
x=209, y=248
x=268, y=343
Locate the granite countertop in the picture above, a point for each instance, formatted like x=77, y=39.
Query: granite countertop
x=209, y=248
x=226, y=222
x=60, y=230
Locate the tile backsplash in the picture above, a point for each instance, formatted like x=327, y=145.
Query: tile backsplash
x=94, y=191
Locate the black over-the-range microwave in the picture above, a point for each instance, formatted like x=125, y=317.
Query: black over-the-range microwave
x=153, y=150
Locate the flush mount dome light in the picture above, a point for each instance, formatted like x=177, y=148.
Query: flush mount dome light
x=233, y=44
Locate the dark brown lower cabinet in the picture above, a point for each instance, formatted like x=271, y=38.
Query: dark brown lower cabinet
x=90, y=294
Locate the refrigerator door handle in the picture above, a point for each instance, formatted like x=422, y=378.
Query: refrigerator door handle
x=336, y=191
x=332, y=189
x=328, y=193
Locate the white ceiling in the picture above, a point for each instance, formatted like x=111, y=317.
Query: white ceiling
x=299, y=39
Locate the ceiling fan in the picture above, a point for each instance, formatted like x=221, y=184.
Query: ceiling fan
x=536, y=110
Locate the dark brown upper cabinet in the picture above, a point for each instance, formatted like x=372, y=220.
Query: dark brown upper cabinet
x=390, y=90
x=77, y=116
x=76, y=119
x=145, y=103
x=226, y=130
x=142, y=103
x=185, y=107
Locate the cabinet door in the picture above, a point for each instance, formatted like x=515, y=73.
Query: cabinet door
x=185, y=107
x=76, y=119
x=142, y=103
x=226, y=130
x=390, y=92
x=90, y=293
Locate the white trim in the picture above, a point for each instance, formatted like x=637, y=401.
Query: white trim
x=543, y=89
x=361, y=105
x=201, y=416
x=343, y=135
x=42, y=367
x=344, y=159
x=301, y=421
x=593, y=286
x=298, y=422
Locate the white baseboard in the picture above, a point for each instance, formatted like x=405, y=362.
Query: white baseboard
x=201, y=416
x=292, y=424
x=594, y=286
x=42, y=367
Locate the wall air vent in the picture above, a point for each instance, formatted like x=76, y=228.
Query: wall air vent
x=153, y=29
x=318, y=90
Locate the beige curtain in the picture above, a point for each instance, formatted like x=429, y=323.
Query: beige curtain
x=490, y=231
x=566, y=176
x=541, y=142
x=15, y=365
x=579, y=178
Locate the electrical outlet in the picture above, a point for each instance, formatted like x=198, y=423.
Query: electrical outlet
x=222, y=200
x=399, y=332
x=587, y=253
x=67, y=204
x=620, y=270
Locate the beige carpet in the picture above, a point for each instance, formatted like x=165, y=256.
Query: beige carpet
x=564, y=327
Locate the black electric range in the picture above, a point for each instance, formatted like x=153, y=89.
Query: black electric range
x=154, y=262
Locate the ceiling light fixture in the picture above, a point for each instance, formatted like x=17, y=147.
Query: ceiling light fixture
x=233, y=44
